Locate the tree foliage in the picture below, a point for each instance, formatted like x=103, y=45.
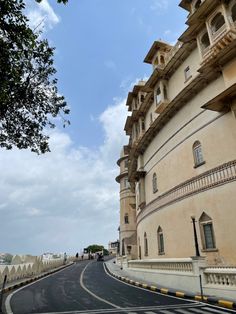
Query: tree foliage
x=95, y=248
x=29, y=99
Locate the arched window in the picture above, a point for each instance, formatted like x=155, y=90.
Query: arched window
x=126, y=218
x=217, y=22
x=197, y=154
x=162, y=60
x=154, y=183
x=160, y=241
x=233, y=12
x=165, y=92
x=197, y=4
x=205, y=42
x=123, y=247
x=158, y=97
x=139, y=248
x=207, y=232
x=145, y=244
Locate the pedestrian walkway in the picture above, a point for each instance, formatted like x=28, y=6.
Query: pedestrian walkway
x=126, y=276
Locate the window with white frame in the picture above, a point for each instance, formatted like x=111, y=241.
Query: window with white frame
x=207, y=232
x=145, y=244
x=205, y=41
x=160, y=241
x=233, y=12
x=197, y=154
x=126, y=183
x=217, y=22
x=187, y=73
x=154, y=183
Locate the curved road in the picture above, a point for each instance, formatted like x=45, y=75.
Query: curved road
x=85, y=287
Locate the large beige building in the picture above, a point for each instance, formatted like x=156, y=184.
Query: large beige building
x=178, y=170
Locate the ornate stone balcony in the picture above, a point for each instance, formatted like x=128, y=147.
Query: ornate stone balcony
x=223, y=42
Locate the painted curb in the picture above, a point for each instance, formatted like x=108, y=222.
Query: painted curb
x=180, y=294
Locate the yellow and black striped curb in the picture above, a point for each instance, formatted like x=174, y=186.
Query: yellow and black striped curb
x=26, y=282
x=179, y=294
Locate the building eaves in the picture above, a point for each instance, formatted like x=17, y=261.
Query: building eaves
x=158, y=44
x=221, y=103
x=185, y=4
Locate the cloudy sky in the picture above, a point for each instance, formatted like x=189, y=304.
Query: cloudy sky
x=68, y=199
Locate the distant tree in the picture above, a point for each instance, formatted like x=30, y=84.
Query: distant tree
x=95, y=248
x=105, y=252
x=7, y=258
x=29, y=97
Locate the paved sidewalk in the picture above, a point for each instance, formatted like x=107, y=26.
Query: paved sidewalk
x=123, y=274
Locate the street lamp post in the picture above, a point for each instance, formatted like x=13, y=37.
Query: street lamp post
x=195, y=236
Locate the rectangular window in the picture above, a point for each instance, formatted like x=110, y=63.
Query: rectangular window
x=127, y=184
x=208, y=236
x=187, y=73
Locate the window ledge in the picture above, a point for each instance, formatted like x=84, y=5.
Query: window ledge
x=189, y=78
x=200, y=164
x=210, y=250
x=161, y=253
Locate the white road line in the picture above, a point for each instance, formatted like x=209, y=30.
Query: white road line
x=217, y=311
x=150, y=312
x=202, y=311
x=183, y=311
x=8, y=299
x=166, y=312
x=93, y=294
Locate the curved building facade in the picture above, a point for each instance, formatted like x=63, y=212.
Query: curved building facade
x=182, y=141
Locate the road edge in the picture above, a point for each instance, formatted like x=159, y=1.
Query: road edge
x=180, y=294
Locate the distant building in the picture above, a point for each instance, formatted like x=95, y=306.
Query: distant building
x=179, y=166
x=113, y=247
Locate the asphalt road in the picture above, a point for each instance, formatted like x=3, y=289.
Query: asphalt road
x=86, y=288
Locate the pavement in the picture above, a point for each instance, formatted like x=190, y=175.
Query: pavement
x=124, y=275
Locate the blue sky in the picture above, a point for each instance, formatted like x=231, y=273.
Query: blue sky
x=68, y=199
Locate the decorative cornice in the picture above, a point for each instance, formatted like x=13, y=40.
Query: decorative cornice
x=215, y=177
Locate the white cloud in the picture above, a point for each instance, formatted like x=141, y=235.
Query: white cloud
x=110, y=64
x=66, y=199
x=41, y=15
x=159, y=5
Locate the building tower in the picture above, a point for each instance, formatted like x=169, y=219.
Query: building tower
x=127, y=230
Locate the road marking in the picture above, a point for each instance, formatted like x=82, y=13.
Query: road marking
x=219, y=311
x=8, y=299
x=93, y=294
x=182, y=311
x=144, y=285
